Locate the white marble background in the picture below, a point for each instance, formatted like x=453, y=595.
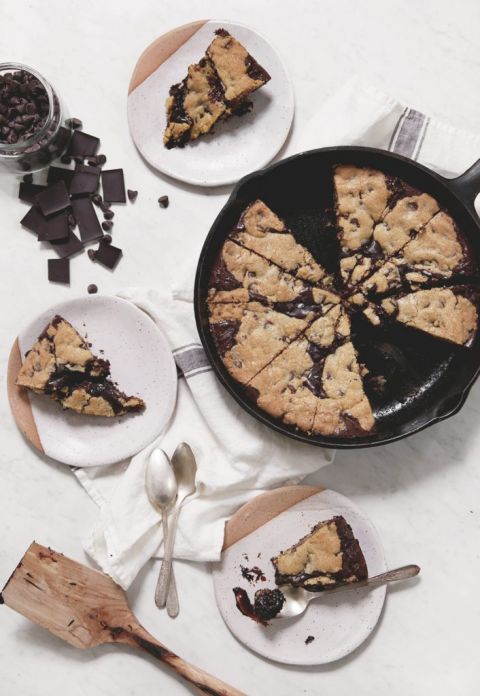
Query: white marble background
x=422, y=493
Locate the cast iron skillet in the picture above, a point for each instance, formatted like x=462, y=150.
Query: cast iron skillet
x=427, y=379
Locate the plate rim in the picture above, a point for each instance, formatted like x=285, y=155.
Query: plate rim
x=20, y=403
x=261, y=164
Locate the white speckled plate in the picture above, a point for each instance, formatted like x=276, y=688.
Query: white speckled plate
x=239, y=145
x=339, y=623
x=142, y=364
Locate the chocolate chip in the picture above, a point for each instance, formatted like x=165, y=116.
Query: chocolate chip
x=74, y=123
x=108, y=214
x=132, y=195
x=164, y=202
x=101, y=159
x=107, y=225
x=107, y=254
x=71, y=220
x=53, y=198
x=92, y=289
x=83, y=145
x=59, y=270
x=88, y=223
x=97, y=199
x=113, y=186
x=92, y=254
x=65, y=159
x=107, y=238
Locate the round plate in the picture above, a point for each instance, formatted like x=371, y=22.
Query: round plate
x=260, y=530
x=141, y=363
x=240, y=144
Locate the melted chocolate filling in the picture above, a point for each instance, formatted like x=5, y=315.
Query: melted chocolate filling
x=224, y=334
x=221, y=278
x=245, y=606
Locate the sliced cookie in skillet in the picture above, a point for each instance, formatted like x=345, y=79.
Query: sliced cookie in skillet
x=261, y=230
x=250, y=335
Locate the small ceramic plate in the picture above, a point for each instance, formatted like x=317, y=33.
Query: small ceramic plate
x=239, y=145
x=339, y=623
x=142, y=364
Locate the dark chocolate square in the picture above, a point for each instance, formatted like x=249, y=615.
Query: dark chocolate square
x=53, y=199
x=113, y=185
x=83, y=145
x=59, y=270
x=60, y=174
x=55, y=228
x=85, y=180
x=34, y=220
x=86, y=218
x=27, y=191
x=108, y=255
x=68, y=247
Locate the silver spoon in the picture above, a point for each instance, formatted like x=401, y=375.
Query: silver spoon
x=161, y=486
x=298, y=599
x=185, y=468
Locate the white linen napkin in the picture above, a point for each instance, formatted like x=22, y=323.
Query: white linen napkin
x=238, y=457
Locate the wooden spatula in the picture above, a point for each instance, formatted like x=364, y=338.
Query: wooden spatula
x=86, y=608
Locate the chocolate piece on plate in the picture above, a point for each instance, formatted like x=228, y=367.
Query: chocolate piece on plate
x=113, y=186
x=85, y=180
x=28, y=191
x=59, y=270
x=68, y=247
x=83, y=145
x=53, y=199
x=86, y=218
x=107, y=254
x=55, y=228
x=34, y=220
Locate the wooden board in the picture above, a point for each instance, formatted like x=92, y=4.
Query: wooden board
x=19, y=399
x=264, y=508
x=159, y=50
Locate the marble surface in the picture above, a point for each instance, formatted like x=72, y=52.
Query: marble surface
x=421, y=493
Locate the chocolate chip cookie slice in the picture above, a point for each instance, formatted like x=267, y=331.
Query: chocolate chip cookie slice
x=447, y=313
x=241, y=275
x=250, y=335
x=261, y=230
x=61, y=365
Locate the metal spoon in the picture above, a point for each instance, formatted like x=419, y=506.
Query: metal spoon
x=161, y=486
x=185, y=468
x=298, y=599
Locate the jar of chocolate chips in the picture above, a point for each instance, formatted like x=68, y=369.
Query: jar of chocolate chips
x=33, y=130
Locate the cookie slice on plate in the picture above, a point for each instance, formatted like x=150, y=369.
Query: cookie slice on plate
x=327, y=557
x=61, y=365
x=261, y=230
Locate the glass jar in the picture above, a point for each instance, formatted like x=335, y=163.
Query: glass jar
x=44, y=145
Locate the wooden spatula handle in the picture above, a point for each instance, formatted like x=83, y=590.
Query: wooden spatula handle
x=204, y=682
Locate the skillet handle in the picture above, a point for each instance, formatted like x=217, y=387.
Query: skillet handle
x=467, y=185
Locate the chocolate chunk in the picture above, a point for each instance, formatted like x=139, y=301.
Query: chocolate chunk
x=74, y=123
x=27, y=191
x=132, y=195
x=53, y=198
x=55, y=228
x=83, y=145
x=28, y=178
x=92, y=289
x=85, y=180
x=86, y=218
x=164, y=202
x=34, y=220
x=59, y=270
x=107, y=225
x=72, y=245
x=113, y=185
x=108, y=214
x=60, y=174
x=107, y=254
